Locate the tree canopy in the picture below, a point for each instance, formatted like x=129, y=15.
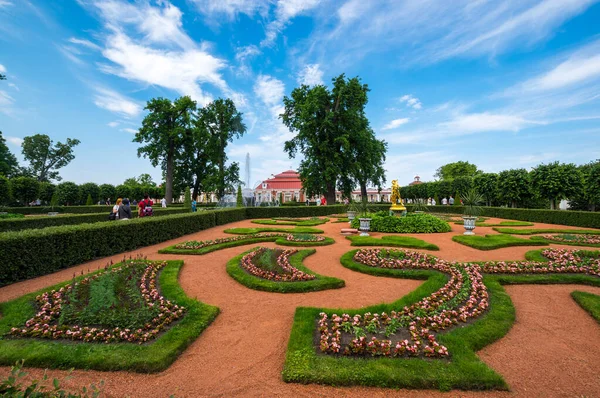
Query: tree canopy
x=45, y=158
x=8, y=161
x=514, y=186
x=461, y=168
x=556, y=181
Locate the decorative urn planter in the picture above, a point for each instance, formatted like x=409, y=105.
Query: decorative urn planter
x=53, y=213
x=351, y=216
x=365, y=226
x=469, y=224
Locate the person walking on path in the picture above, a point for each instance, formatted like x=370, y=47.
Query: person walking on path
x=451, y=201
x=194, y=204
x=124, y=210
x=115, y=210
x=444, y=201
x=145, y=207
x=163, y=202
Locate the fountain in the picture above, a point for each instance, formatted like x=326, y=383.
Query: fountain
x=397, y=208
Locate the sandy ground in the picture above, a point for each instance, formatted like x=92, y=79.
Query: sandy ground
x=552, y=350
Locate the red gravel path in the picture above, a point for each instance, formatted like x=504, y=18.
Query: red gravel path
x=243, y=351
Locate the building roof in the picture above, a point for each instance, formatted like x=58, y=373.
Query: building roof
x=289, y=179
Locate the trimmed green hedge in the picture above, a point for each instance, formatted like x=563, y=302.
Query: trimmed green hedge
x=35, y=252
x=19, y=224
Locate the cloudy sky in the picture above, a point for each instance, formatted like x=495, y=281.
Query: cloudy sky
x=502, y=84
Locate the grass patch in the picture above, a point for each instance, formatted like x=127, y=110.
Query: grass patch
x=463, y=371
x=501, y=224
x=293, y=221
x=589, y=302
x=513, y=231
x=296, y=230
x=491, y=242
x=153, y=357
x=392, y=240
x=253, y=282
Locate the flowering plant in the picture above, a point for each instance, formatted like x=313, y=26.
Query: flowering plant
x=282, y=272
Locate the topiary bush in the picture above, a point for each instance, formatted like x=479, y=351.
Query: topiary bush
x=411, y=224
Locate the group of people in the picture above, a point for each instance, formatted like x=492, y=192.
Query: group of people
x=449, y=201
x=122, y=208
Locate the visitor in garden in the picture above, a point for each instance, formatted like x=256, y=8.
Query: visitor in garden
x=134, y=203
x=124, y=210
x=193, y=206
x=163, y=202
x=323, y=201
x=444, y=201
x=428, y=201
x=115, y=210
x=145, y=207
x=433, y=202
x=307, y=202
x=451, y=200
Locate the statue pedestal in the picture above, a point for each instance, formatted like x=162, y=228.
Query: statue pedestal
x=398, y=210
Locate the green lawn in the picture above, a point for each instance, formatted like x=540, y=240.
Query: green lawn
x=589, y=302
x=152, y=357
x=392, y=240
x=253, y=282
x=491, y=242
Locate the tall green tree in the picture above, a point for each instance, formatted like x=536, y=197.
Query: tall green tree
x=163, y=131
x=366, y=156
x=486, y=184
x=68, y=193
x=324, y=121
x=45, y=157
x=91, y=189
x=239, y=201
x=107, y=191
x=453, y=170
x=4, y=190
x=46, y=191
x=589, y=197
x=24, y=189
x=514, y=186
x=222, y=121
x=556, y=181
x=462, y=185
x=8, y=161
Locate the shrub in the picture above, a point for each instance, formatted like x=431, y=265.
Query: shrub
x=4, y=190
x=187, y=199
x=24, y=189
x=412, y=223
x=68, y=193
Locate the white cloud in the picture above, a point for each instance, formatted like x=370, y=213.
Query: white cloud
x=14, y=86
x=232, y=8
x=411, y=102
x=5, y=99
x=243, y=55
x=311, y=75
x=113, y=124
x=2, y=69
x=114, y=102
x=129, y=130
x=482, y=122
x=285, y=11
x=395, y=123
x=270, y=90
x=16, y=141
x=5, y=3
x=85, y=43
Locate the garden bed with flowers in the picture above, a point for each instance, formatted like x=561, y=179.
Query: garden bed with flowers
x=301, y=222
x=131, y=316
x=295, y=230
x=207, y=246
x=495, y=241
x=277, y=270
x=427, y=339
x=570, y=239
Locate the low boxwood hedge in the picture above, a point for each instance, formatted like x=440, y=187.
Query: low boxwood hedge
x=19, y=224
x=412, y=223
x=34, y=252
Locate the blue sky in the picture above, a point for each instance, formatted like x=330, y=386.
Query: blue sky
x=501, y=84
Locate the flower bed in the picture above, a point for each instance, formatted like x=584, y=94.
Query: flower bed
x=60, y=310
x=415, y=328
x=194, y=245
x=304, y=238
x=273, y=265
x=574, y=239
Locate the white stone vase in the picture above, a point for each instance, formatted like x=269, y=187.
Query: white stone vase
x=365, y=226
x=469, y=224
x=351, y=216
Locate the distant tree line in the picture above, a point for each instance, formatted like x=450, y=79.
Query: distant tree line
x=542, y=187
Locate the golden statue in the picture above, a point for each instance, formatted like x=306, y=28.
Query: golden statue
x=397, y=205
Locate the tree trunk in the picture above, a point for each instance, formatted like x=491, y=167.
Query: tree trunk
x=196, y=188
x=552, y=204
x=513, y=204
x=363, y=192
x=330, y=196
x=170, y=169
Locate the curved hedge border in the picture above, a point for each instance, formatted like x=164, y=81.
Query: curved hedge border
x=496, y=241
x=34, y=252
x=251, y=240
x=392, y=240
x=560, y=242
x=257, y=230
x=300, y=223
x=253, y=282
x=589, y=302
x=153, y=357
x=533, y=231
x=73, y=219
x=464, y=371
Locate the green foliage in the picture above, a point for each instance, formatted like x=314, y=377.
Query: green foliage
x=122, y=191
x=239, y=200
x=513, y=231
x=253, y=282
x=107, y=191
x=491, y=242
x=296, y=230
x=89, y=189
x=45, y=159
x=46, y=192
x=454, y=170
x=486, y=184
x=68, y=193
x=412, y=223
x=392, y=240
x=8, y=216
x=13, y=387
x=143, y=358
x=24, y=189
x=589, y=302
x=461, y=185
x=4, y=190
x=514, y=186
x=89, y=201
x=293, y=221
x=8, y=161
x=471, y=202
x=187, y=199
x=555, y=181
